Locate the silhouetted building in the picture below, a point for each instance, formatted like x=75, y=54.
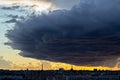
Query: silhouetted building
x=60, y=74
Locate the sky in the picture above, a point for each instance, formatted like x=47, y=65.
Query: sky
x=59, y=33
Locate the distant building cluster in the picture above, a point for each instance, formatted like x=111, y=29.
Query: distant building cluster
x=60, y=74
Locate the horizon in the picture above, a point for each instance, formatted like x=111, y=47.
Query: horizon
x=84, y=34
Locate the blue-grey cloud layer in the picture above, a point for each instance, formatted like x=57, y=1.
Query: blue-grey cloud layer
x=88, y=34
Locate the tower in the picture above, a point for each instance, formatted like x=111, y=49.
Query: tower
x=42, y=67
x=71, y=68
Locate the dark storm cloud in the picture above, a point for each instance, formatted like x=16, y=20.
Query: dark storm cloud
x=88, y=34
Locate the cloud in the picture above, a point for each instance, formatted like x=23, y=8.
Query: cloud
x=4, y=64
x=51, y=4
x=26, y=4
x=64, y=3
x=11, y=21
x=15, y=16
x=14, y=7
x=88, y=34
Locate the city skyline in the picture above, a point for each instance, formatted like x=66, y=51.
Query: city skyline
x=59, y=33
